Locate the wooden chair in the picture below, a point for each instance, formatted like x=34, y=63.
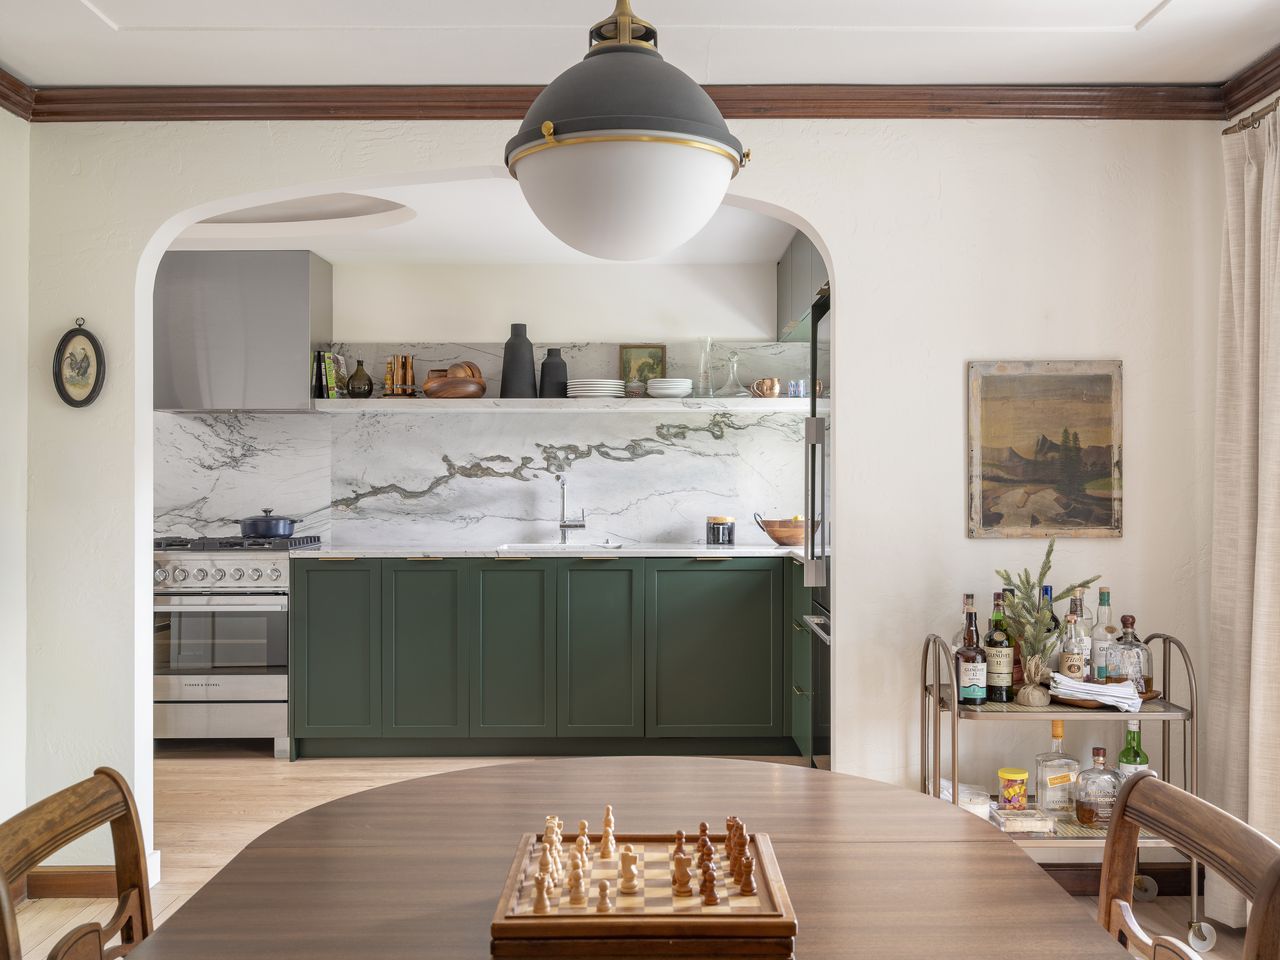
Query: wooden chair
x=48, y=826
x=1242, y=856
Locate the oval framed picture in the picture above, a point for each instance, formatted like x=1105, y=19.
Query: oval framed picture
x=79, y=366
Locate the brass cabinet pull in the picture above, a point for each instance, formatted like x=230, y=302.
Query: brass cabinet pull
x=513, y=558
x=798, y=692
x=714, y=559
x=424, y=558
x=600, y=558
x=331, y=559
x=798, y=563
x=798, y=627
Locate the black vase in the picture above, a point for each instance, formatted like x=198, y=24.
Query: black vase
x=360, y=384
x=555, y=375
x=518, y=379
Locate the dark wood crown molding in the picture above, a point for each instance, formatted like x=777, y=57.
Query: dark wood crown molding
x=15, y=96
x=1258, y=80
x=809, y=101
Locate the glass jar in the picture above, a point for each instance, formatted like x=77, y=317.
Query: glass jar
x=720, y=531
x=1129, y=658
x=1013, y=788
x=1096, y=792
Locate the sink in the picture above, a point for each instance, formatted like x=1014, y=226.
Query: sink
x=557, y=547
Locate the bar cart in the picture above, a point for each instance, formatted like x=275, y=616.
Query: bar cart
x=936, y=697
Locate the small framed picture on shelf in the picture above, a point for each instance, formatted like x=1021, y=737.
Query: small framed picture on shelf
x=642, y=361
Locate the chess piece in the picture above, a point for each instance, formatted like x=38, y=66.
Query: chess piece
x=545, y=864
x=604, y=904
x=608, y=846
x=583, y=849
x=740, y=840
x=683, y=876
x=703, y=827
x=628, y=874
x=747, y=886
x=577, y=884
x=608, y=815
x=584, y=832
x=679, y=843
x=707, y=887
x=542, y=893
x=706, y=852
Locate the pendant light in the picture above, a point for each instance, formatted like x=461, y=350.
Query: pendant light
x=623, y=156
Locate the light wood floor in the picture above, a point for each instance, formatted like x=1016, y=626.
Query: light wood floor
x=212, y=799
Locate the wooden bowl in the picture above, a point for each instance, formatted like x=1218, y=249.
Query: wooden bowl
x=785, y=533
x=466, y=369
x=454, y=388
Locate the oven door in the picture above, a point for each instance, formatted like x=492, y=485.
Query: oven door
x=211, y=647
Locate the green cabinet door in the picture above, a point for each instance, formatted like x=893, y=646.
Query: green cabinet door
x=713, y=648
x=600, y=627
x=425, y=625
x=796, y=603
x=335, y=626
x=800, y=693
x=513, y=650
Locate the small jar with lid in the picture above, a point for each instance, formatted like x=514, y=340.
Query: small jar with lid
x=720, y=531
x=1013, y=788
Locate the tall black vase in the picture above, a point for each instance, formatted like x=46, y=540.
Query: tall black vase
x=518, y=379
x=555, y=375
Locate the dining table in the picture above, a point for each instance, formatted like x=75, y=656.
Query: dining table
x=415, y=869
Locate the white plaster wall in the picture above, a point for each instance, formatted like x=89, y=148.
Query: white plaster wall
x=15, y=144
x=391, y=302
x=947, y=241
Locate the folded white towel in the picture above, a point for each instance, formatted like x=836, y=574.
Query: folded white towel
x=1123, y=696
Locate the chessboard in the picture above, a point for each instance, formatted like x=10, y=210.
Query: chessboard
x=653, y=921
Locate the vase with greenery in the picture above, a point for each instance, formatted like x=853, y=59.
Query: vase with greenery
x=1032, y=623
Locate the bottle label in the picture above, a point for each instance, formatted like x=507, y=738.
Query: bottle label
x=973, y=681
x=1127, y=770
x=999, y=666
x=1072, y=665
x=1060, y=779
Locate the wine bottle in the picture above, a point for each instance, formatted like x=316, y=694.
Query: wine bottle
x=1132, y=758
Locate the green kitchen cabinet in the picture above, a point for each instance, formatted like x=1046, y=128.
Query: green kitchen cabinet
x=800, y=693
x=426, y=623
x=335, y=629
x=713, y=647
x=796, y=602
x=600, y=663
x=513, y=648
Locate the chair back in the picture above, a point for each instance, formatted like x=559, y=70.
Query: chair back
x=1245, y=858
x=46, y=827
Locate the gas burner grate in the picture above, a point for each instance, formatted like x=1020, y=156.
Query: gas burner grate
x=205, y=544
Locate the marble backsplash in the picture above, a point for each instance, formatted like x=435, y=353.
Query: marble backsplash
x=418, y=479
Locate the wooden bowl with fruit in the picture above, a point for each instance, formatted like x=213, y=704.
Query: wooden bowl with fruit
x=785, y=533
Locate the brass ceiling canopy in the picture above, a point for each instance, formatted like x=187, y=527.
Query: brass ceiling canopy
x=623, y=26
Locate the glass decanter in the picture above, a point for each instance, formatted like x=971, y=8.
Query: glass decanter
x=733, y=386
x=1096, y=791
x=1129, y=658
x=703, y=387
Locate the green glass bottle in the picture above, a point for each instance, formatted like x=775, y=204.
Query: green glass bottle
x=999, y=650
x=1132, y=758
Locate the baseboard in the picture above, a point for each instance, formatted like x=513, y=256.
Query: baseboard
x=69, y=882
x=1084, y=879
x=310, y=747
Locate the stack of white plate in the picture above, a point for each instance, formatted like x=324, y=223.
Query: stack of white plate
x=670, y=388
x=596, y=388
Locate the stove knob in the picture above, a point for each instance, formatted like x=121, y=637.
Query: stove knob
x=274, y=573
x=219, y=575
x=237, y=574
x=255, y=574
x=201, y=573
x=179, y=575
x=161, y=575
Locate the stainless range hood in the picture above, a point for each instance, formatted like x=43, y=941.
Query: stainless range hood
x=236, y=329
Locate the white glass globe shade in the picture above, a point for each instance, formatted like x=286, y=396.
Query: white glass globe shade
x=624, y=199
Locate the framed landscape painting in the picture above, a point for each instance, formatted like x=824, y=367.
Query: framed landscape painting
x=1044, y=448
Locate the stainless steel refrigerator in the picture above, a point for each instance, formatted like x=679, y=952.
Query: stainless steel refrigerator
x=818, y=512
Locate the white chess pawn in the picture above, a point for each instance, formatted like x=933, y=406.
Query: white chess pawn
x=604, y=904
x=583, y=848
x=584, y=832
x=545, y=863
x=608, y=815
x=608, y=846
x=628, y=874
x=577, y=885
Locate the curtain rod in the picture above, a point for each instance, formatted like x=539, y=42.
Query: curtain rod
x=1252, y=120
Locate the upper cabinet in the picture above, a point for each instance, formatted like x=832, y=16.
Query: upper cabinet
x=235, y=329
x=801, y=272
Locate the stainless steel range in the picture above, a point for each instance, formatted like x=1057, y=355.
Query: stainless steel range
x=222, y=638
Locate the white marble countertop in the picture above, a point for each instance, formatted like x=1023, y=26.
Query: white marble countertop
x=552, y=550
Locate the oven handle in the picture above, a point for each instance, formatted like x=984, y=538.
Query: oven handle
x=271, y=603
x=818, y=631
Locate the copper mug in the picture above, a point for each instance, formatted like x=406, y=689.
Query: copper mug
x=766, y=387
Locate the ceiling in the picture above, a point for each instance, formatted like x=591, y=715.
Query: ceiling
x=471, y=221
x=96, y=42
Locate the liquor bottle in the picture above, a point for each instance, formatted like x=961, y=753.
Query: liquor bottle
x=1132, y=758
x=1096, y=790
x=1074, y=648
x=998, y=649
x=1084, y=622
x=1129, y=658
x=1104, y=634
x=1046, y=600
x=957, y=638
x=1056, y=773
x=1084, y=616
x=971, y=662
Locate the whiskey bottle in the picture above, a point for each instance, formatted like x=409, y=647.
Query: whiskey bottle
x=1096, y=791
x=971, y=662
x=1132, y=758
x=1104, y=635
x=998, y=649
x=1129, y=658
x=1056, y=772
x=1074, y=648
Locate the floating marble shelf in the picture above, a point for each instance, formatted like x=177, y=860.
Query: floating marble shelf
x=598, y=405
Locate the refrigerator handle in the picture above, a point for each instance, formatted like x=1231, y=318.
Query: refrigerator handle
x=808, y=497
x=815, y=470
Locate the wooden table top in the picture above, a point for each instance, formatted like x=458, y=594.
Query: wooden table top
x=415, y=869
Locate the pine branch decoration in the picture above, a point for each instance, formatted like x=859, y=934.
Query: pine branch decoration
x=1032, y=621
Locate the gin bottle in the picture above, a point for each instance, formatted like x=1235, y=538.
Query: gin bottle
x=1105, y=633
x=1056, y=772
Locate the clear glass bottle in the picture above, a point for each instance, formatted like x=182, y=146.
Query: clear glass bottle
x=1132, y=758
x=1056, y=773
x=704, y=388
x=998, y=648
x=1096, y=791
x=957, y=638
x=1129, y=658
x=1103, y=635
x=1084, y=615
x=1075, y=648
x=733, y=386
x=971, y=663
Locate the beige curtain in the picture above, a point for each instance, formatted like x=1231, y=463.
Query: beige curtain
x=1242, y=710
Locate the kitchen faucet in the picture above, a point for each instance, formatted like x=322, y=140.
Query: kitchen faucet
x=565, y=523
